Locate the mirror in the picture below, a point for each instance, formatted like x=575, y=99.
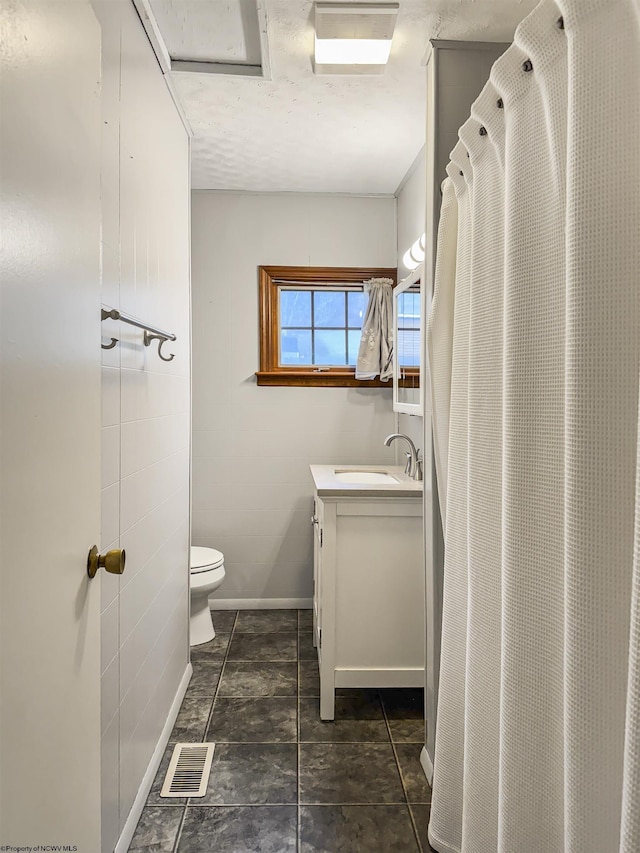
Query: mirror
x=408, y=328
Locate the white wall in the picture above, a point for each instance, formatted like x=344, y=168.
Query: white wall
x=411, y=224
x=252, y=446
x=145, y=433
x=411, y=207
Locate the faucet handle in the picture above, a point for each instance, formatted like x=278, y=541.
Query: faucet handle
x=418, y=471
x=408, y=467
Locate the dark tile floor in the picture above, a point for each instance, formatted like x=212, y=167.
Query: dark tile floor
x=282, y=781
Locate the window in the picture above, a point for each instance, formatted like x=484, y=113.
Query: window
x=310, y=321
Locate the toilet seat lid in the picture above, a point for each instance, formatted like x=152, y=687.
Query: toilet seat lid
x=203, y=559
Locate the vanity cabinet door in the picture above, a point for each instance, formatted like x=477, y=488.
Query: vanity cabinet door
x=318, y=535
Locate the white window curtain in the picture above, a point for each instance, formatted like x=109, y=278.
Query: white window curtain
x=534, y=348
x=375, y=356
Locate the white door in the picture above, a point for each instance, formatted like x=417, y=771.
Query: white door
x=50, y=422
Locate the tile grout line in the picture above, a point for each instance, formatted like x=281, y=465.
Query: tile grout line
x=222, y=668
x=256, y=633
x=280, y=805
x=290, y=742
x=186, y=804
x=360, y=804
x=206, y=729
x=285, y=805
x=402, y=782
x=254, y=696
x=180, y=825
x=245, y=660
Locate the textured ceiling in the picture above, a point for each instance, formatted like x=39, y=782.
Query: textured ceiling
x=303, y=132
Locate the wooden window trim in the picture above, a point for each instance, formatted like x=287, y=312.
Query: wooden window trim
x=272, y=373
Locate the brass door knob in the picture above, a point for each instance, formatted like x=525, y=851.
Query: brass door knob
x=113, y=561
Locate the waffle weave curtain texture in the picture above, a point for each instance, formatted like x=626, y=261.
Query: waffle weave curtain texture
x=375, y=356
x=534, y=351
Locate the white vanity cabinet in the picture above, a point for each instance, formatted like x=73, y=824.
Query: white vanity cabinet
x=368, y=603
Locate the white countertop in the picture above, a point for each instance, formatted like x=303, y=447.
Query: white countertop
x=328, y=486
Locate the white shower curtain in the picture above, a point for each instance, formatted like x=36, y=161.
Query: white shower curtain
x=534, y=348
x=440, y=335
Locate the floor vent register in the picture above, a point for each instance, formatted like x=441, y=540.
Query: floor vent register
x=189, y=769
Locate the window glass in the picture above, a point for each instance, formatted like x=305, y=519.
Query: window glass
x=295, y=308
x=353, y=337
x=330, y=347
x=329, y=309
x=408, y=348
x=295, y=346
x=408, y=343
x=320, y=327
x=409, y=310
x=357, y=304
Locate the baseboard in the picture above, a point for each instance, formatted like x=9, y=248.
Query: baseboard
x=426, y=764
x=260, y=603
x=147, y=780
x=364, y=678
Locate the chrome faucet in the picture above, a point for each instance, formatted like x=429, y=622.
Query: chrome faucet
x=413, y=468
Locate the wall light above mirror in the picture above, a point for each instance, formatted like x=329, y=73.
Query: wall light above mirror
x=414, y=254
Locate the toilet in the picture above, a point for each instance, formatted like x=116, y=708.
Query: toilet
x=207, y=573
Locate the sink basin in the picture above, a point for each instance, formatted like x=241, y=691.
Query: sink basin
x=364, y=477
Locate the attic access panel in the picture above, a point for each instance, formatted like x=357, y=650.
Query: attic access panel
x=212, y=38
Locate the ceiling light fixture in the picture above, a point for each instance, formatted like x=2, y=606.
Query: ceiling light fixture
x=353, y=38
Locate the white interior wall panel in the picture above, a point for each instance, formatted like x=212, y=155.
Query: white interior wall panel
x=146, y=403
